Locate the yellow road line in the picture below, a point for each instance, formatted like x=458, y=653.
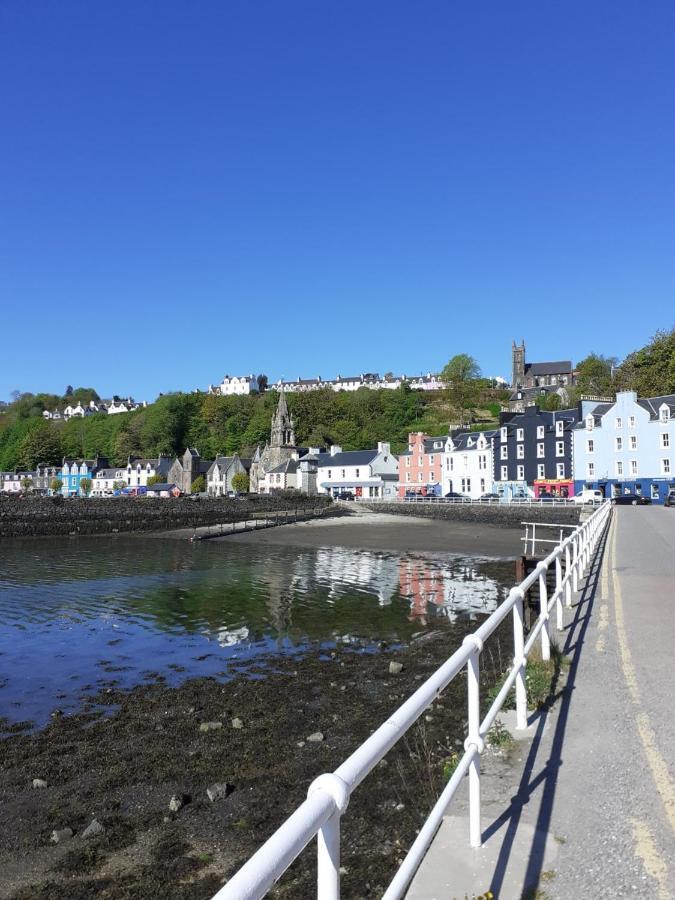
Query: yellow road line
x=647, y=851
x=659, y=769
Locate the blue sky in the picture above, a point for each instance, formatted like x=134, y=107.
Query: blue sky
x=302, y=188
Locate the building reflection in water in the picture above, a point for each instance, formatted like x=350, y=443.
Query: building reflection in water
x=451, y=587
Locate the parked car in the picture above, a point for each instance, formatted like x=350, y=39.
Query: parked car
x=589, y=496
x=345, y=495
x=670, y=499
x=453, y=495
x=489, y=498
x=631, y=500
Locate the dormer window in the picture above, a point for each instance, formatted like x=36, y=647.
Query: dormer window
x=559, y=426
x=664, y=413
x=589, y=423
x=520, y=434
x=502, y=434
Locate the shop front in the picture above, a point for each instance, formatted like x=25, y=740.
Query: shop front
x=561, y=488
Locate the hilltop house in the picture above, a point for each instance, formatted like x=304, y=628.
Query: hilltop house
x=530, y=381
x=235, y=385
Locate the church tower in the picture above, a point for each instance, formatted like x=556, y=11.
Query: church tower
x=518, y=365
x=283, y=430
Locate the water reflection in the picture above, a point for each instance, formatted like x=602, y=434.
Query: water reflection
x=78, y=614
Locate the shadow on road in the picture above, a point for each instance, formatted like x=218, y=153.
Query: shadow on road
x=534, y=774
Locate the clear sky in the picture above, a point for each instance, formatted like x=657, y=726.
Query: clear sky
x=302, y=188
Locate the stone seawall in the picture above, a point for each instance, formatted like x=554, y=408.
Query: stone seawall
x=485, y=513
x=52, y=516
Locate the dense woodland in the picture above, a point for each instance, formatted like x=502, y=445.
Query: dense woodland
x=226, y=425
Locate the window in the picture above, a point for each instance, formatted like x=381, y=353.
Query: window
x=420, y=461
x=465, y=461
x=665, y=439
x=407, y=477
x=432, y=478
x=520, y=434
x=344, y=473
x=437, y=444
x=618, y=423
x=633, y=467
x=502, y=434
x=482, y=485
x=560, y=470
x=520, y=451
x=591, y=470
x=505, y=473
x=633, y=442
x=452, y=463
x=482, y=461
x=631, y=422
x=540, y=451
x=407, y=461
x=589, y=423
x=330, y=473
x=665, y=467
x=431, y=459
x=420, y=477
x=540, y=432
x=559, y=427
x=664, y=413
x=619, y=467
x=618, y=444
x=504, y=453
x=560, y=448
x=590, y=447
x=520, y=473
x=541, y=470
x=358, y=473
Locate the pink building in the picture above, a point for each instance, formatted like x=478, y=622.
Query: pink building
x=419, y=467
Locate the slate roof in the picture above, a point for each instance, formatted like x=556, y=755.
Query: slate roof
x=653, y=404
x=290, y=467
x=348, y=458
x=461, y=441
x=164, y=486
x=560, y=367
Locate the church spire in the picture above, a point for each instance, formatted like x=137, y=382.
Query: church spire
x=283, y=429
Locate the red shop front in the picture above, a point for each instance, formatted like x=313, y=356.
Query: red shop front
x=554, y=487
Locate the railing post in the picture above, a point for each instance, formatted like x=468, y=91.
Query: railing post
x=575, y=564
x=543, y=612
x=558, y=592
x=474, y=738
x=534, y=539
x=518, y=651
x=328, y=837
x=568, y=578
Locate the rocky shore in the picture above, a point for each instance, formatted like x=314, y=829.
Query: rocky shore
x=52, y=516
x=165, y=792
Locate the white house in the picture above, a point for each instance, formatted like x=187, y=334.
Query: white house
x=365, y=473
x=138, y=471
x=220, y=474
x=283, y=477
x=467, y=463
x=104, y=481
x=235, y=384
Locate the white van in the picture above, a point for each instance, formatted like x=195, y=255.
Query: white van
x=589, y=496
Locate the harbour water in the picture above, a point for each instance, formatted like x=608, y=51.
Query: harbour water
x=81, y=615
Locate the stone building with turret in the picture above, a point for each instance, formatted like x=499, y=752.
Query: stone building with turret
x=280, y=448
x=531, y=381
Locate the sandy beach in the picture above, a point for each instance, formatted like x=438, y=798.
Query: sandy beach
x=380, y=531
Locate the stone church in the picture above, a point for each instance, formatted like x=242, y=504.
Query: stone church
x=280, y=448
x=530, y=381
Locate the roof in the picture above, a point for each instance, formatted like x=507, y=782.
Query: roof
x=163, y=486
x=107, y=473
x=653, y=404
x=348, y=458
x=560, y=367
x=289, y=467
x=461, y=441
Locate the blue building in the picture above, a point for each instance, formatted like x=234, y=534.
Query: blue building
x=74, y=470
x=627, y=446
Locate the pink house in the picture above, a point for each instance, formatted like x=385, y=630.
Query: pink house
x=419, y=467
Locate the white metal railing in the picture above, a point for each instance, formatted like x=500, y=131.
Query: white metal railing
x=329, y=794
x=516, y=501
x=531, y=535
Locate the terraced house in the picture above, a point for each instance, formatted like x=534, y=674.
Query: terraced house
x=468, y=463
x=627, y=446
x=420, y=466
x=74, y=470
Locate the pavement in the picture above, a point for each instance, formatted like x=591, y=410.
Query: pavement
x=585, y=806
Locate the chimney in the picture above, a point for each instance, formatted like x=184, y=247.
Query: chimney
x=384, y=447
x=335, y=448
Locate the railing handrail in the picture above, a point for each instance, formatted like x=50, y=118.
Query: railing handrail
x=329, y=794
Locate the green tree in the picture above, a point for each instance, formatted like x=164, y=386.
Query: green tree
x=85, y=486
x=651, y=370
x=155, y=479
x=42, y=444
x=119, y=485
x=56, y=485
x=27, y=485
x=594, y=375
x=461, y=375
x=198, y=485
x=240, y=482
x=549, y=401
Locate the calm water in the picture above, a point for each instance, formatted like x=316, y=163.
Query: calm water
x=78, y=615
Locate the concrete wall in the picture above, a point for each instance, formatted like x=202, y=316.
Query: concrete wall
x=51, y=516
x=487, y=513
